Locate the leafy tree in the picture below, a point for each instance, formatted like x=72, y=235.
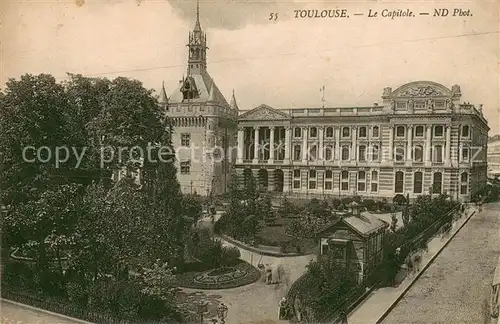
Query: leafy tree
x=159, y=282
x=329, y=281
x=34, y=112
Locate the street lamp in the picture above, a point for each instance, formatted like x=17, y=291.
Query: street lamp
x=222, y=312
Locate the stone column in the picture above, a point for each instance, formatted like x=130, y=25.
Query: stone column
x=256, y=145
x=321, y=145
x=428, y=147
x=271, y=144
x=287, y=145
x=409, y=143
x=354, y=152
x=337, y=155
x=448, y=145
x=304, y=144
x=241, y=145
x=391, y=143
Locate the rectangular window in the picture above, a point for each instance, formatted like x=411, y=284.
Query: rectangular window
x=296, y=179
x=328, y=185
x=419, y=131
x=361, y=181
x=438, y=131
x=312, y=179
x=186, y=167
x=185, y=139
x=345, y=181
x=465, y=154
x=374, y=187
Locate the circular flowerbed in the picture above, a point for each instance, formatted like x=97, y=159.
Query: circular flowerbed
x=221, y=278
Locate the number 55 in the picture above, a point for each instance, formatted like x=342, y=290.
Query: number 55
x=273, y=16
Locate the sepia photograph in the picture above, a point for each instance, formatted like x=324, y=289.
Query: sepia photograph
x=250, y=161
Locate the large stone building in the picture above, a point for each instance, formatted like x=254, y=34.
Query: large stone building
x=421, y=137
x=494, y=156
x=203, y=121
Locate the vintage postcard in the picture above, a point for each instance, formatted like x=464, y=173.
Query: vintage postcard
x=248, y=161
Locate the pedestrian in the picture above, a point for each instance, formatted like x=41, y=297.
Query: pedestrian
x=283, y=309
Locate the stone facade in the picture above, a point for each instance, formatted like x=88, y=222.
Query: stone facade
x=203, y=122
x=422, y=136
x=494, y=156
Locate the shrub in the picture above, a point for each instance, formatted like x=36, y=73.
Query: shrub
x=336, y=203
x=369, y=204
x=229, y=255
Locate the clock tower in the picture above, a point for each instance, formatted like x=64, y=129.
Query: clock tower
x=197, y=60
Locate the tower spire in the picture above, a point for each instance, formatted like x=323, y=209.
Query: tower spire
x=197, y=26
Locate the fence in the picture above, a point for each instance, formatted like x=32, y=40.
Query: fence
x=360, y=292
x=62, y=307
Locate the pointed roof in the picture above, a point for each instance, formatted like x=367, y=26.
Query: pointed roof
x=232, y=102
x=205, y=85
x=197, y=26
x=163, y=94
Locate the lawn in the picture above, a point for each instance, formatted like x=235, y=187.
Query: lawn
x=274, y=235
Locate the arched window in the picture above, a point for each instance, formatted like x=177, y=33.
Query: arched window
x=329, y=132
x=418, y=153
x=312, y=179
x=313, y=132
x=328, y=153
x=345, y=153
x=374, y=181
x=344, y=185
x=417, y=182
x=362, y=153
x=464, y=183
x=438, y=153
x=361, y=181
x=400, y=153
x=346, y=132
x=296, y=179
x=399, y=182
x=297, y=152
x=375, y=131
x=313, y=153
x=375, y=155
x=328, y=180
x=437, y=183
x=362, y=131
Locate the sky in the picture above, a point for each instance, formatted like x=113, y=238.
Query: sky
x=281, y=63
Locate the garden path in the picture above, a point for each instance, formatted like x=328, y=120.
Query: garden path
x=257, y=302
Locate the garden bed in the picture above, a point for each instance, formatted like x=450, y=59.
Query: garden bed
x=238, y=275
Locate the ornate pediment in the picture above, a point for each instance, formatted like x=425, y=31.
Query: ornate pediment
x=264, y=112
x=422, y=89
